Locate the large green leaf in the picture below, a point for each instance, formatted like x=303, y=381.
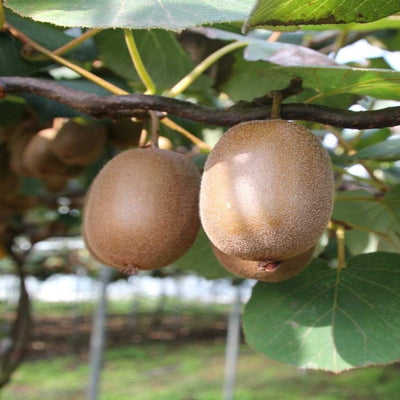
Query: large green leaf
x=12, y=109
x=167, y=14
x=363, y=211
x=370, y=137
x=281, y=53
x=51, y=37
x=251, y=79
x=330, y=320
x=11, y=62
x=162, y=55
x=389, y=150
x=375, y=220
x=305, y=12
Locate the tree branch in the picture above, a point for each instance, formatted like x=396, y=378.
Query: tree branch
x=137, y=104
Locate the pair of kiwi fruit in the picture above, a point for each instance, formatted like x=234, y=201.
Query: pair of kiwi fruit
x=266, y=197
x=58, y=153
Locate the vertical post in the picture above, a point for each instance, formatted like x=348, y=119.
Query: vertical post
x=80, y=273
x=232, y=346
x=98, y=335
x=132, y=314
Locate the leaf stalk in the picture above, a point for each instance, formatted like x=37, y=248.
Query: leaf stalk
x=185, y=82
x=138, y=62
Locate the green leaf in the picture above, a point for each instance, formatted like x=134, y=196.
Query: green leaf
x=389, y=150
x=51, y=37
x=379, y=218
x=200, y=259
x=323, y=319
x=371, y=136
x=11, y=63
x=280, y=53
x=166, y=14
x=304, y=12
x=392, y=201
x=251, y=79
x=162, y=56
x=12, y=109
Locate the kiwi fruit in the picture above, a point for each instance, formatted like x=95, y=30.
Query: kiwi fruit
x=55, y=183
x=124, y=133
x=273, y=272
x=16, y=143
x=141, y=211
x=9, y=182
x=40, y=162
x=16, y=204
x=267, y=191
x=17, y=149
x=77, y=142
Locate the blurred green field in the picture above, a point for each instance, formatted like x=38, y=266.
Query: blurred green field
x=168, y=365
x=194, y=371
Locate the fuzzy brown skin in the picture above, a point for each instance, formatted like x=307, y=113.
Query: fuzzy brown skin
x=251, y=270
x=39, y=161
x=142, y=209
x=17, y=145
x=9, y=182
x=77, y=144
x=267, y=191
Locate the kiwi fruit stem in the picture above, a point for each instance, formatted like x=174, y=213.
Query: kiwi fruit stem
x=131, y=270
x=269, y=265
x=154, y=129
x=277, y=99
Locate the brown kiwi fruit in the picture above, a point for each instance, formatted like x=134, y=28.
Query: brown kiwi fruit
x=78, y=142
x=267, y=191
x=124, y=133
x=55, y=183
x=9, y=182
x=39, y=161
x=16, y=204
x=141, y=211
x=273, y=272
x=16, y=143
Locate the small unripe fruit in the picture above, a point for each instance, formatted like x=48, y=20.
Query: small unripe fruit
x=267, y=191
x=273, y=272
x=141, y=211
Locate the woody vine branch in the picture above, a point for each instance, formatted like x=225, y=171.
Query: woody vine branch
x=117, y=106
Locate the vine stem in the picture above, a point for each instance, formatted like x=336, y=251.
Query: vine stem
x=151, y=89
x=274, y=36
x=97, y=80
x=198, y=142
x=350, y=150
x=359, y=178
x=154, y=129
x=185, y=82
x=340, y=237
x=77, y=41
x=2, y=15
x=138, y=62
x=76, y=68
x=340, y=42
x=68, y=46
x=277, y=99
